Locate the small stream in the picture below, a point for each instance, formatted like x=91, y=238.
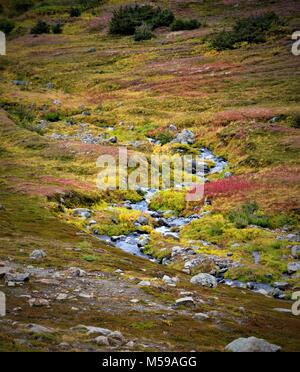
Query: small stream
x=171, y=226
x=132, y=243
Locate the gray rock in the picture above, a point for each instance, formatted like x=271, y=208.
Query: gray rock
x=185, y=301
x=38, y=302
x=116, y=339
x=201, y=316
x=17, y=278
x=281, y=285
x=38, y=254
x=186, y=137
x=90, y=330
x=36, y=328
x=205, y=280
x=293, y=267
x=251, y=345
x=102, y=341
x=277, y=293
x=113, y=139
x=170, y=281
x=144, y=283
x=82, y=212
x=50, y=86
x=20, y=82
x=92, y=50
x=296, y=252
x=142, y=220
x=76, y=272
x=173, y=128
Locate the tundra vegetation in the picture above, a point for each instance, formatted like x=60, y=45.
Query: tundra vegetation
x=82, y=78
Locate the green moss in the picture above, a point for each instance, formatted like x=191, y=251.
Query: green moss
x=169, y=200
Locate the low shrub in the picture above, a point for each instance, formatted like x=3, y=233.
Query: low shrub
x=6, y=25
x=52, y=117
x=254, y=29
x=57, y=28
x=41, y=27
x=21, y=6
x=143, y=33
x=75, y=12
x=185, y=24
x=127, y=19
x=294, y=121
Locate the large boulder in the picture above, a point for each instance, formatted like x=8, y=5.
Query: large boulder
x=205, y=280
x=186, y=137
x=38, y=254
x=252, y=345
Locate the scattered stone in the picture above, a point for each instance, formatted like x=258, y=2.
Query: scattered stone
x=170, y=281
x=102, y=341
x=185, y=301
x=38, y=302
x=90, y=330
x=186, y=137
x=293, y=267
x=118, y=271
x=92, y=50
x=82, y=212
x=17, y=278
x=252, y=345
x=113, y=140
x=277, y=293
x=36, y=328
x=173, y=128
x=2, y=304
x=20, y=82
x=135, y=301
x=201, y=316
x=116, y=339
x=38, y=254
x=76, y=272
x=130, y=344
x=296, y=252
x=282, y=310
x=142, y=220
x=144, y=283
x=206, y=280
x=61, y=297
x=85, y=295
x=50, y=86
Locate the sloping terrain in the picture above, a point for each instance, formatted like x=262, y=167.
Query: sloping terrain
x=66, y=99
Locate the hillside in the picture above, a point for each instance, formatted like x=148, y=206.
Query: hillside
x=76, y=92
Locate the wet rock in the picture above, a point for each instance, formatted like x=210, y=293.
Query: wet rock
x=113, y=140
x=38, y=254
x=293, y=267
x=281, y=285
x=205, y=280
x=142, y=220
x=252, y=345
x=185, y=301
x=82, y=212
x=277, y=293
x=295, y=252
